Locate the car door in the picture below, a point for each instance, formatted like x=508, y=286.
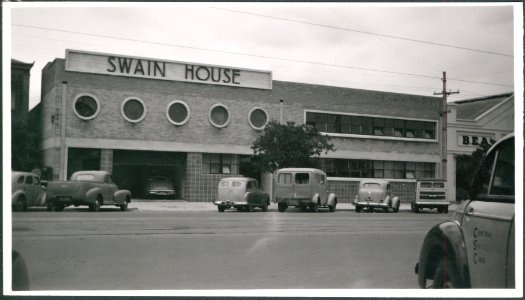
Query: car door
x=303, y=182
x=488, y=221
x=110, y=188
x=29, y=189
x=321, y=187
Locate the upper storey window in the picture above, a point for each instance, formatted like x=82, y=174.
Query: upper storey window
x=372, y=126
x=133, y=110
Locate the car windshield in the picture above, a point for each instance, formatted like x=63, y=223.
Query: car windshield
x=371, y=186
x=85, y=177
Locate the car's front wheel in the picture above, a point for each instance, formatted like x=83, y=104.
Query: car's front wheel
x=124, y=206
x=358, y=209
x=264, y=208
x=20, y=204
x=282, y=207
x=446, y=276
x=221, y=208
x=58, y=207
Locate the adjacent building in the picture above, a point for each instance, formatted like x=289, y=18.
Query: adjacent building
x=194, y=123
x=473, y=122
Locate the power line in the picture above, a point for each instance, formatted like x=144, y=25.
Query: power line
x=252, y=55
x=366, y=32
x=228, y=52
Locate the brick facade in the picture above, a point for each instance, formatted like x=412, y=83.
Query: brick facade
x=110, y=131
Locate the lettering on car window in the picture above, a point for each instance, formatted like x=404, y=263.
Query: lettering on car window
x=224, y=184
x=284, y=178
x=503, y=180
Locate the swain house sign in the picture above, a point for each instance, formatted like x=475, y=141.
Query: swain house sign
x=130, y=66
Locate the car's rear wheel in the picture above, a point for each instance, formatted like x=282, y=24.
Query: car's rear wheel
x=446, y=276
x=222, y=208
x=264, y=208
x=20, y=204
x=396, y=208
x=282, y=207
x=58, y=207
x=314, y=208
x=332, y=207
x=415, y=208
x=358, y=209
x=49, y=206
x=445, y=210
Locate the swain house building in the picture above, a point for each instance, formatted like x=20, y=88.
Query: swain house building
x=194, y=123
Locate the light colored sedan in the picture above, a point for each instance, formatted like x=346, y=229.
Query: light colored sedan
x=241, y=193
x=374, y=194
x=27, y=191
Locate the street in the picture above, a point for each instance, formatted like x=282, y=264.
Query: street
x=175, y=250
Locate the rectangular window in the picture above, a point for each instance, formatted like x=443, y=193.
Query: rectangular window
x=216, y=163
x=363, y=125
x=284, y=178
x=302, y=178
x=356, y=168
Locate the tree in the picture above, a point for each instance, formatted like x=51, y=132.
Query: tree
x=466, y=169
x=289, y=145
x=24, y=150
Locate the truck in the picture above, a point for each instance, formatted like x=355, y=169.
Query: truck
x=91, y=188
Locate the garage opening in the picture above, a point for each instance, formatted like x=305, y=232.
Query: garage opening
x=136, y=170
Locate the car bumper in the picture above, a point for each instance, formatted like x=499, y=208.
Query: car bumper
x=432, y=203
x=70, y=201
x=294, y=201
x=231, y=203
x=370, y=204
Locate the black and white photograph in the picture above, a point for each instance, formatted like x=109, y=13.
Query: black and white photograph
x=262, y=149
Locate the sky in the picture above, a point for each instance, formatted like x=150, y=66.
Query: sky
x=382, y=47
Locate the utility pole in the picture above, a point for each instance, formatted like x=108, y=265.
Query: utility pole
x=444, y=125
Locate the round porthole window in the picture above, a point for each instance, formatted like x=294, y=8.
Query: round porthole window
x=219, y=116
x=258, y=117
x=133, y=110
x=86, y=106
x=178, y=112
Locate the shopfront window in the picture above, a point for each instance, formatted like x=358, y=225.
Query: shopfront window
x=217, y=163
x=360, y=168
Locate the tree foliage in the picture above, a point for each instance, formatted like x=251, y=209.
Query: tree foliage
x=467, y=164
x=289, y=145
x=24, y=150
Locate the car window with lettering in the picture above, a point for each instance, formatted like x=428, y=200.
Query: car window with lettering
x=284, y=178
x=302, y=178
x=224, y=184
x=236, y=184
x=20, y=180
x=503, y=178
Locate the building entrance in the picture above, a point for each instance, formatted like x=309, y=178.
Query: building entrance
x=132, y=170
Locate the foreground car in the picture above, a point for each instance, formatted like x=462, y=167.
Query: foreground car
x=305, y=188
x=430, y=193
x=27, y=191
x=241, y=193
x=476, y=248
x=91, y=188
x=374, y=194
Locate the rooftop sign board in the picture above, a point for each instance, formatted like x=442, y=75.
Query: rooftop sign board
x=131, y=66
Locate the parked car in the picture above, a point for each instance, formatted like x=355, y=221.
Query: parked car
x=159, y=187
x=374, y=193
x=304, y=188
x=91, y=188
x=431, y=193
x=476, y=249
x=26, y=191
x=241, y=193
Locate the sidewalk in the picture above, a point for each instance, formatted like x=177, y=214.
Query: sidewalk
x=182, y=205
